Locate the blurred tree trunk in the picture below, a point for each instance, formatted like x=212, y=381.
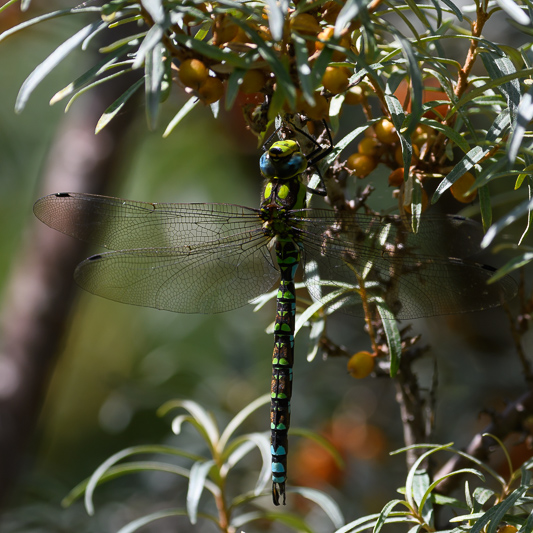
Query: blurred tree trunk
x=40, y=293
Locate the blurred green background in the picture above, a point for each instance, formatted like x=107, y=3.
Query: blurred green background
x=119, y=363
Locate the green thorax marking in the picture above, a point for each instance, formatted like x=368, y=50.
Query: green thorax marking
x=282, y=165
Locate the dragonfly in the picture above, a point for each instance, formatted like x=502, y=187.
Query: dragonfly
x=215, y=257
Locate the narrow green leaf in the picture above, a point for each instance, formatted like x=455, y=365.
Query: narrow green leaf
x=276, y=18
x=495, y=514
x=450, y=133
x=514, y=264
x=318, y=327
x=180, y=115
x=519, y=211
x=417, y=86
x=421, y=484
x=154, y=71
x=132, y=40
x=348, y=13
x=499, y=66
x=321, y=441
x=240, y=417
x=42, y=18
x=197, y=479
x=98, y=474
x=385, y=513
x=42, y=70
x=212, y=52
x=325, y=502
x=92, y=73
x=523, y=118
x=393, y=336
x=232, y=87
x=116, y=106
x=90, y=86
x=457, y=12
x=515, y=11
x=7, y=4
x=303, y=68
x=155, y=10
x=475, y=155
x=485, y=206
x=152, y=517
x=151, y=40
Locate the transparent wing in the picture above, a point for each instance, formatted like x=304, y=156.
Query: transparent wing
x=414, y=273
x=120, y=224
x=188, y=279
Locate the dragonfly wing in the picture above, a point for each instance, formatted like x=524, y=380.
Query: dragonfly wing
x=120, y=224
x=411, y=272
x=189, y=279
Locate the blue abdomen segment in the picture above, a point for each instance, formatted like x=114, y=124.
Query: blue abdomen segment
x=288, y=256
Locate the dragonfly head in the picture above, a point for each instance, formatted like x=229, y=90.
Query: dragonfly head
x=283, y=160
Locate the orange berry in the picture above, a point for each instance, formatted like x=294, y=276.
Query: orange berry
x=330, y=11
x=354, y=95
x=190, y=20
x=422, y=134
x=193, y=73
x=317, y=112
x=460, y=188
x=211, y=90
x=305, y=23
x=254, y=80
x=325, y=35
x=361, y=165
x=361, y=365
x=336, y=79
x=396, y=177
x=241, y=36
x=425, y=203
x=225, y=30
x=507, y=528
x=385, y=131
x=398, y=156
x=369, y=146
x=369, y=132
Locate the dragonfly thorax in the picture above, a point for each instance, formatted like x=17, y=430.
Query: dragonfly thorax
x=283, y=160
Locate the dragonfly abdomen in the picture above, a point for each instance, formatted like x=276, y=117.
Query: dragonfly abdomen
x=288, y=256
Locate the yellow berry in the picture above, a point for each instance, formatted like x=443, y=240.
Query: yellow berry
x=369, y=146
x=325, y=35
x=422, y=134
x=225, y=30
x=361, y=365
x=507, y=529
x=398, y=156
x=211, y=90
x=193, y=73
x=190, y=20
x=361, y=165
x=354, y=95
x=330, y=11
x=396, y=177
x=460, y=188
x=254, y=80
x=385, y=131
x=317, y=112
x=336, y=79
x=305, y=23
